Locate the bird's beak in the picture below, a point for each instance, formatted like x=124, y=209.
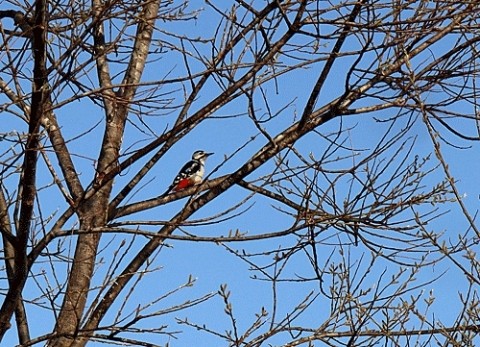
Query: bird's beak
x=208, y=154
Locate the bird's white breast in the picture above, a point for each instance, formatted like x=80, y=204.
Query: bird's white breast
x=198, y=176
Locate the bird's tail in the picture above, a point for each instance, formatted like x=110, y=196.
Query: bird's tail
x=168, y=191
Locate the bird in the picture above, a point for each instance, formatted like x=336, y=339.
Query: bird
x=190, y=174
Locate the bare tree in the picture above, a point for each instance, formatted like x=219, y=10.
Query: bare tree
x=335, y=127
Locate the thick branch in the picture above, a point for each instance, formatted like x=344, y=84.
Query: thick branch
x=93, y=208
x=9, y=242
x=39, y=96
x=312, y=100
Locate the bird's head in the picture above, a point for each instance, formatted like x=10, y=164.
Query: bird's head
x=200, y=155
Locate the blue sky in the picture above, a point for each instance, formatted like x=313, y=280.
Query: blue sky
x=212, y=264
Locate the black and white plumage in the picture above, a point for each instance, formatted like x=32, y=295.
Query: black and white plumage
x=191, y=173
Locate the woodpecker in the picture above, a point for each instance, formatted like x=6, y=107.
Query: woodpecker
x=191, y=173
